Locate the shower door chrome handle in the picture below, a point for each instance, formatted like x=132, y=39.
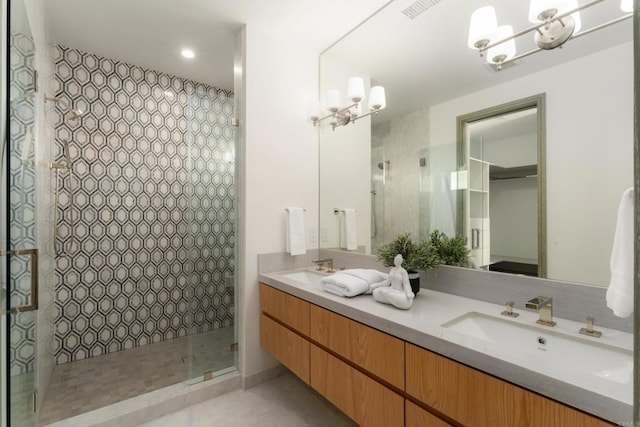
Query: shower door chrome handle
x=33, y=254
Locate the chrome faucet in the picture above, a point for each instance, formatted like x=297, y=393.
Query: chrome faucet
x=322, y=262
x=544, y=307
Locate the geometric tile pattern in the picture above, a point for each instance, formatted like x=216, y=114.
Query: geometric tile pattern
x=149, y=241
x=86, y=385
x=22, y=200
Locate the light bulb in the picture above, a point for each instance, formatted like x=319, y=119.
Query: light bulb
x=377, y=99
x=504, y=51
x=188, y=53
x=482, y=26
x=355, y=91
x=333, y=100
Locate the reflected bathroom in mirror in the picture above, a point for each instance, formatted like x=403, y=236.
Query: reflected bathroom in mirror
x=396, y=169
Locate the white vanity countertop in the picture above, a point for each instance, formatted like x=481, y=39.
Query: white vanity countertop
x=421, y=325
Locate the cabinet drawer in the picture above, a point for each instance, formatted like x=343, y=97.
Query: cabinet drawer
x=363, y=399
x=290, y=310
x=418, y=417
x=374, y=351
x=471, y=397
x=288, y=347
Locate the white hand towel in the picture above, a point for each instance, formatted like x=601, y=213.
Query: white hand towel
x=369, y=275
x=295, y=231
x=344, y=285
x=348, y=239
x=620, y=291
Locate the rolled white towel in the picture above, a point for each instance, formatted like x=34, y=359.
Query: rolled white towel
x=352, y=282
x=344, y=285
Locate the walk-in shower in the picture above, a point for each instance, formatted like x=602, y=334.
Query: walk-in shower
x=121, y=179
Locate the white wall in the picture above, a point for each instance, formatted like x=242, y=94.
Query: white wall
x=513, y=212
x=518, y=150
x=589, y=116
x=278, y=157
x=346, y=159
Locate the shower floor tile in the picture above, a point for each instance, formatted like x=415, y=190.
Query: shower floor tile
x=89, y=384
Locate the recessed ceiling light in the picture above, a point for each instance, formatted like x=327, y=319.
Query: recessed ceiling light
x=188, y=53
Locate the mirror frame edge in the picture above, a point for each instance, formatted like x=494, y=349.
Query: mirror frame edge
x=538, y=101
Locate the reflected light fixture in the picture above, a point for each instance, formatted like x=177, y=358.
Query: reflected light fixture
x=555, y=22
x=341, y=115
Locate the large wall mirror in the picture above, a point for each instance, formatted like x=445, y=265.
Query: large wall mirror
x=397, y=168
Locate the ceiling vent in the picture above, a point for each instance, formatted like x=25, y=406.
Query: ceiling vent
x=419, y=7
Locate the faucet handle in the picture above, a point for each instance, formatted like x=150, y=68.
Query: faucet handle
x=509, y=310
x=588, y=329
x=320, y=264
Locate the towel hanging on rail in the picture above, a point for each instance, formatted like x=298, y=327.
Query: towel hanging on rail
x=295, y=231
x=620, y=291
x=348, y=236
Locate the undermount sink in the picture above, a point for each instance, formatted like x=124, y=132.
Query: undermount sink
x=585, y=362
x=306, y=276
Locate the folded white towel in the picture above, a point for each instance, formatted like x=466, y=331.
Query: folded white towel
x=349, y=283
x=370, y=275
x=348, y=237
x=295, y=231
x=620, y=291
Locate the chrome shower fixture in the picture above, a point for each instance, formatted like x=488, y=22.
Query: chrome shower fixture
x=75, y=113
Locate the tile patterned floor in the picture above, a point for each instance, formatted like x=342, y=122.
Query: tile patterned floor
x=285, y=401
x=88, y=384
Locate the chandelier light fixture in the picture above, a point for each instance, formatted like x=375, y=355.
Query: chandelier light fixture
x=341, y=115
x=555, y=22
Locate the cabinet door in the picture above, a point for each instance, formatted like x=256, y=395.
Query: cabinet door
x=290, y=310
x=418, y=417
x=288, y=347
x=474, y=398
x=363, y=399
x=374, y=351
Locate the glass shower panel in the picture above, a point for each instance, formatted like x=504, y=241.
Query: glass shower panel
x=211, y=139
x=19, y=260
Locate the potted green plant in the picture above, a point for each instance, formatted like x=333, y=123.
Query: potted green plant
x=451, y=250
x=421, y=255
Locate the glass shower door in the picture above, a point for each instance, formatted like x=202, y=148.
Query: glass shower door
x=18, y=244
x=211, y=141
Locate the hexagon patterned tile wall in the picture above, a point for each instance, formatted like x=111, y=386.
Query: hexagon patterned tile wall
x=149, y=242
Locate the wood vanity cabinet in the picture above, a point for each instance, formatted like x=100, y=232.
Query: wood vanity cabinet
x=346, y=362
x=380, y=354
x=290, y=348
x=379, y=380
x=360, y=397
x=471, y=397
